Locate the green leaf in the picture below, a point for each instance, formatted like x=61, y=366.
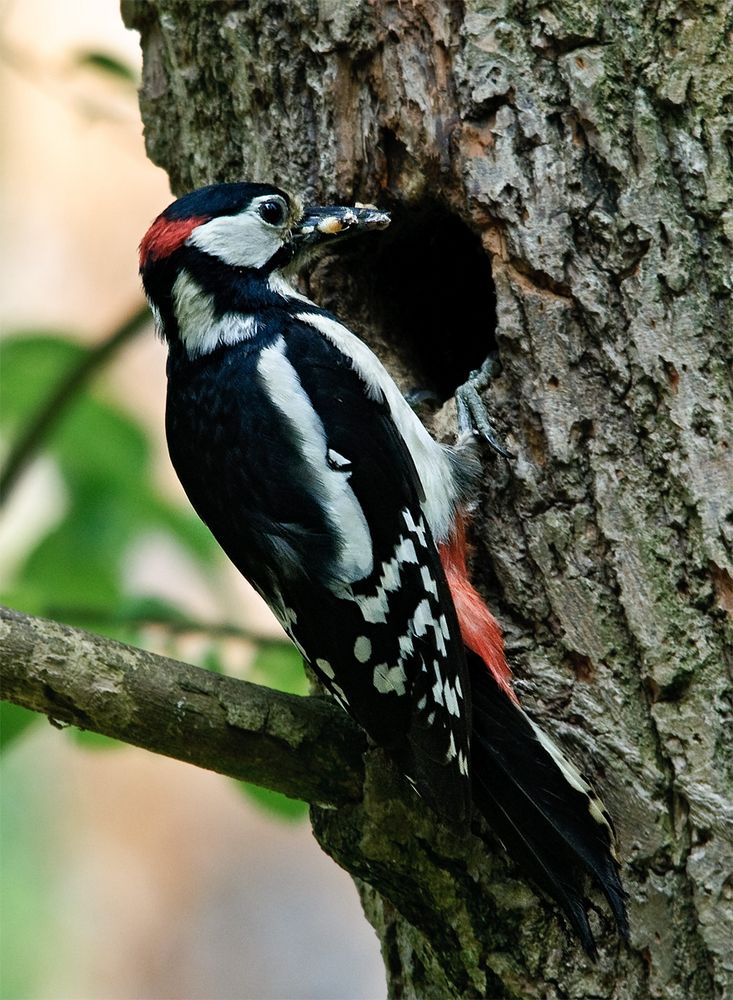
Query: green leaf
x=108, y=64
x=32, y=365
x=280, y=666
x=75, y=566
x=275, y=803
x=13, y=721
x=93, y=439
x=99, y=445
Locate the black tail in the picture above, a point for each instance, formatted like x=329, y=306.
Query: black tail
x=536, y=801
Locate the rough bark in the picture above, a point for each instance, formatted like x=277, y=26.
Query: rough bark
x=560, y=176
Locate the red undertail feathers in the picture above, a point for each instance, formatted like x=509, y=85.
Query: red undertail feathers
x=480, y=631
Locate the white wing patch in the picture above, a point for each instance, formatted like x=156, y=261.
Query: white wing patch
x=417, y=529
x=337, y=499
x=422, y=618
x=405, y=551
x=326, y=667
x=428, y=581
x=200, y=329
x=424, y=621
x=390, y=679
x=451, y=699
x=362, y=648
x=406, y=645
x=431, y=459
x=374, y=607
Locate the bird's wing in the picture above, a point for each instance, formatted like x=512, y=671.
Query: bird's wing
x=311, y=491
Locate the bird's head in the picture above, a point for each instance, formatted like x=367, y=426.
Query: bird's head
x=239, y=225
x=219, y=251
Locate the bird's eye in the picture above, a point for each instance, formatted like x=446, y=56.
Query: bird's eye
x=273, y=212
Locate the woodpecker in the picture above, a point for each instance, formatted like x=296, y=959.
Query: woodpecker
x=297, y=449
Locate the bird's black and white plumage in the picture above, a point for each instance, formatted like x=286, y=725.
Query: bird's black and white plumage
x=297, y=449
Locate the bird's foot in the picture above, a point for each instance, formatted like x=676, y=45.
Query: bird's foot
x=472, y=415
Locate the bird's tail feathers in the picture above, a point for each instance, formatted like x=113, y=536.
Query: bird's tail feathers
x=540, y=806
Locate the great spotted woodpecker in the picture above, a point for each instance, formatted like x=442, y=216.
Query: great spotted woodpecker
x=297, y=449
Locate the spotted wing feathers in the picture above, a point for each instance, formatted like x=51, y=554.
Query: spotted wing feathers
x=308, y=485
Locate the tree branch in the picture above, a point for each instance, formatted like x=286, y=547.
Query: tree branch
x=303, y=747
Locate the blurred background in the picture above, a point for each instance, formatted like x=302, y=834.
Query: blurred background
x=125, y=875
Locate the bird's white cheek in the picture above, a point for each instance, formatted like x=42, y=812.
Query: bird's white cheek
x=237, y=240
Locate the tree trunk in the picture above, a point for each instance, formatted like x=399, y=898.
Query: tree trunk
x=560, y=180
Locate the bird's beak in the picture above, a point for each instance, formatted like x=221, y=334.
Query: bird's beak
x=322, y=223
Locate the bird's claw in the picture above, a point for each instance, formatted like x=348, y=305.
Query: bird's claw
x=471, y=411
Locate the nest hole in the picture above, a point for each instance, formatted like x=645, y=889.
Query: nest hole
x=422, y=291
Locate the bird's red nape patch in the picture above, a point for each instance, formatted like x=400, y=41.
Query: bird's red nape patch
x=167, y=235
x=479, y=629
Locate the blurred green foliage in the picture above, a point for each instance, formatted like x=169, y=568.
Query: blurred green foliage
x=104, y=459
x=28, y=852
x=106, y=64
x=75, y=571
